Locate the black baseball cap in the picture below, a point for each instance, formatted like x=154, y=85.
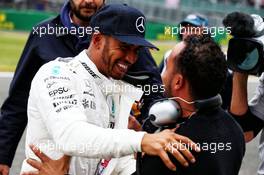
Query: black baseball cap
x=124, y=23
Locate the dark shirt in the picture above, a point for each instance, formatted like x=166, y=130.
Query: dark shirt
x=221, y=141
x=38, y=51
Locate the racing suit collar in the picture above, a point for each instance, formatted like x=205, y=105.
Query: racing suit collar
x=107, y=85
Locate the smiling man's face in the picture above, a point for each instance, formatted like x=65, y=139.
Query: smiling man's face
x=117, y=57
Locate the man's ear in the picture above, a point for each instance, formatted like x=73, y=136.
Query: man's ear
x=177, y=82
x=97, y=40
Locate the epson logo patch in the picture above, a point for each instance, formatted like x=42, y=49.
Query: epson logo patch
x=60, y=90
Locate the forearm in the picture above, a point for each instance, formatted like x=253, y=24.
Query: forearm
x=83, y=139
x=239, y=108
x=239, y=102
x=249, y=122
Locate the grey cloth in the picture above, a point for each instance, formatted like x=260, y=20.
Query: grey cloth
x=261, y=154
x=256, y=106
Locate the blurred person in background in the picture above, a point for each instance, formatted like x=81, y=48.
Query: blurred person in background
x=172, y=4
x=256, y=3
x=192, y=24
x=40, y=50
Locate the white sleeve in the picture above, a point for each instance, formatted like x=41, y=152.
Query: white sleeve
x=68, y=125
x=126, y=165
x=121, y=166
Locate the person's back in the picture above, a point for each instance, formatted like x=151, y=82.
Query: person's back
x=221, y=142
x=195, y=75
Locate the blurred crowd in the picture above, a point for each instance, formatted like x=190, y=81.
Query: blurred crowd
x=53, y=5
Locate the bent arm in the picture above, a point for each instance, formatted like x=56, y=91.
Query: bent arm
x=59, y=102
x=247, y=115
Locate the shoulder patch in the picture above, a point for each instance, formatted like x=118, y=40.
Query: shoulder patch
x=65, y=60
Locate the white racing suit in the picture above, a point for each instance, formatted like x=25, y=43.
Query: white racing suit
x=70, y=107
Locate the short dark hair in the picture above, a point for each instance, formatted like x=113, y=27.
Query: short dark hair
x=203, y=64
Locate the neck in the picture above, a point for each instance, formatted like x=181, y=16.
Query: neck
x=91, y=56
x=78, y=21
x=94, y=57
x=187, y=109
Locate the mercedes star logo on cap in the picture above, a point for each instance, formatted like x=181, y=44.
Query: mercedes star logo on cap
x=140, y=24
